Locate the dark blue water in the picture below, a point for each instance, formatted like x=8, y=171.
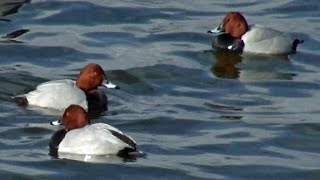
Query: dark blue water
x=197, y=114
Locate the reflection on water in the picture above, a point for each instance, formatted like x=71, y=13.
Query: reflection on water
x=96, y=158
x=222, y=107
x=225, y=67
x=264, y=67
x=9, y=38
x=250, y=66
x=8, y=7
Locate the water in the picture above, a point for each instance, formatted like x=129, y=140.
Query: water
x=195, y=113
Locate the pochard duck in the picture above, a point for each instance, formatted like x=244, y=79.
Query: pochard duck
x=59, y=94
x=235, y=34
x=80, y=137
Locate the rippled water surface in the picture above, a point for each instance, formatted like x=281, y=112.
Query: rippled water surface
x=197, y=114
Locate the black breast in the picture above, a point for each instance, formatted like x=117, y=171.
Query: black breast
x=55, y=140
x=97, y=103
x=227, y=42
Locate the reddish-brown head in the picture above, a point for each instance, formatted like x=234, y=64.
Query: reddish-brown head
x=74, y=117
x=234, y=24
x=90, y=77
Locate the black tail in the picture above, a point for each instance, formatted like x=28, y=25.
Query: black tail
x=295, y=44
x=21, y=100
x=130, y=153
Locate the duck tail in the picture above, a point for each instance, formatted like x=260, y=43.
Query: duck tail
x=21, y=100
x=130, y=153
x=295, y=43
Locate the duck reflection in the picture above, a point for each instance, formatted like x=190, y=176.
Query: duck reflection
x=8, y=7
x=232, y=65
x=266, y=67
x=225, y=66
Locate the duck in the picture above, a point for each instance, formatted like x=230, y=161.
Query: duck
x=80, y=137
x=59, y=94
x=255, y=38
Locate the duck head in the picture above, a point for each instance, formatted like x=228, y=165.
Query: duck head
x=233, y=24
x=91, y=76
x=74, y=117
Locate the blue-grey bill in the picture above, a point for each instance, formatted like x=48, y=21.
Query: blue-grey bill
x=216, y=30
x=56, y=123
x=109, y=85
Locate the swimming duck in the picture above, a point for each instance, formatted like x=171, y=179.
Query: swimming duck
x=256, y=38
x=59, y=94
x=80, y=137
